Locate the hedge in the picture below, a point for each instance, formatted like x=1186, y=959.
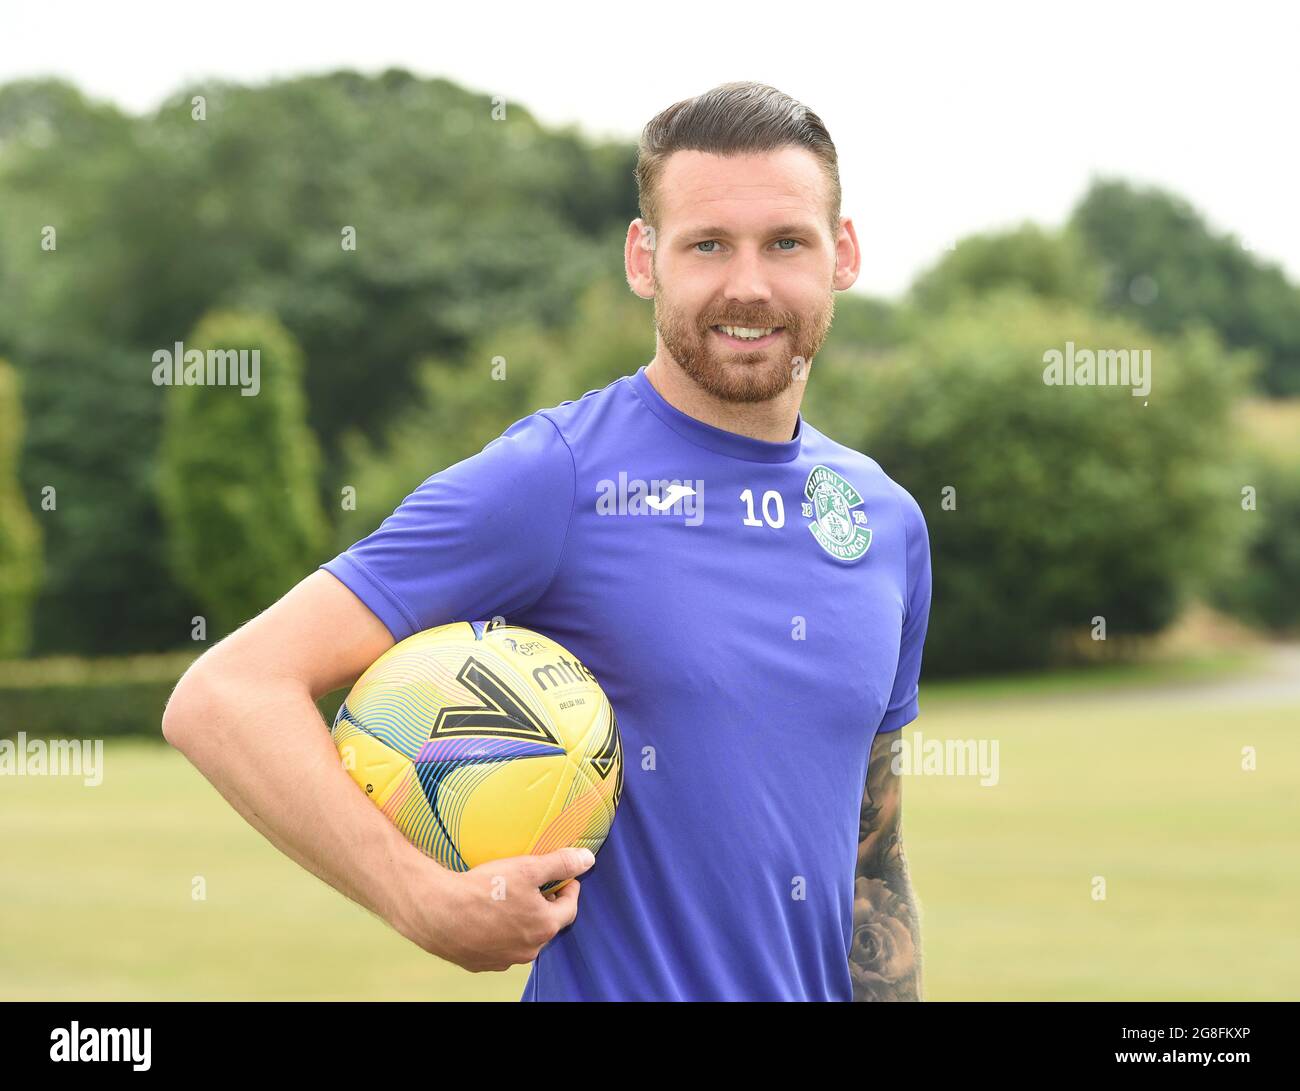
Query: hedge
x=68, y=697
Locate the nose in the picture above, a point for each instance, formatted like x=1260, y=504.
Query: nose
x=746, y=282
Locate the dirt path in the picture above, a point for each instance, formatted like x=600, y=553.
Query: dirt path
x=1276, y=681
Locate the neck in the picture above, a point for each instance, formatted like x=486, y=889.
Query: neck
x=773, y=420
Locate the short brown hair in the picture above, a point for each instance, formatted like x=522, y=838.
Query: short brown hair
x=733, y=119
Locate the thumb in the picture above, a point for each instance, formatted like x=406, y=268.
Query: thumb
x=565, y=863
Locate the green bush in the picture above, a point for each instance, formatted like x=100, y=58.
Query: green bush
x=20, y=535
x=1168, y=270
x=238, y=477
x=1265, y=589
x=72, y=697
x=67, y=697
x=1071, y=502
x=461, y=218
x=1048, y=264
x=462, y=407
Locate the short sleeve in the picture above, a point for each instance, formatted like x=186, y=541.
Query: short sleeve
x=482, y=537
x=903, y=707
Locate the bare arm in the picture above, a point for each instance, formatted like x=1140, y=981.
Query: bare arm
x=885, y=959
x=245, y=715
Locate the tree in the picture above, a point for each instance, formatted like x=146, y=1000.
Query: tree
x=467, y=218
x=20, y=535
x=1046, y=505
x=1048, y=264
x=468, y=401
x=1167, y=270
x=1265, y=589
x=238, y=474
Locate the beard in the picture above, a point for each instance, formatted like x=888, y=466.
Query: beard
x=739, y=375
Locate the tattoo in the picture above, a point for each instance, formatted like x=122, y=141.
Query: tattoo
x=885, y=958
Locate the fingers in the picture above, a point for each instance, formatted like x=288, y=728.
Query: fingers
x=564, y=905
x=564, y=863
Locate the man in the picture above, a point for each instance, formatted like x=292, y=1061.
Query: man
x=757, y=623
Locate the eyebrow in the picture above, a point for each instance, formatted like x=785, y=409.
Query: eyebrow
x=724, y=233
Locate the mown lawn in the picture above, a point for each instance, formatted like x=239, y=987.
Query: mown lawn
x=1201, y=862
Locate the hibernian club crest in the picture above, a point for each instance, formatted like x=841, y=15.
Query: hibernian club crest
x=835, y=507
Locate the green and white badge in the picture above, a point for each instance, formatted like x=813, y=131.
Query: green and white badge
x=835, y=507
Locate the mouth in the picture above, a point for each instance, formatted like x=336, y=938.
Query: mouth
x=747, y=337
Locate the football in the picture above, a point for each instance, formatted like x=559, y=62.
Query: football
x=482, y=740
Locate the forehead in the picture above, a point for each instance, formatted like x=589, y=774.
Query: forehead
x=698, y=188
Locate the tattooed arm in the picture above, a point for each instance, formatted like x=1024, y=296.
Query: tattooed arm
x=885, y=959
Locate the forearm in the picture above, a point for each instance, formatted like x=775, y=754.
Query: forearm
x=885, y=958
x=264, y=746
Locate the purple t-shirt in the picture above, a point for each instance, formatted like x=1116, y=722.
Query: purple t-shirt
x=753, y=635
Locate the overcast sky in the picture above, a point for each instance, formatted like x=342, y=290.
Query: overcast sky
x=948, y=118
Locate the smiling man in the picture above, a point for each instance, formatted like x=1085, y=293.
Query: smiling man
x=800, y=652
x=761, y=645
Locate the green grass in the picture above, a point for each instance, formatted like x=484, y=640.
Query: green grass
x=95, y=901
x=1201, y=859
x=1201, y=862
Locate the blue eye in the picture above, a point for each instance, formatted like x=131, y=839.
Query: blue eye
x=714, y=242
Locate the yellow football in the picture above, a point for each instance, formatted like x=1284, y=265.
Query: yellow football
x=481, y=740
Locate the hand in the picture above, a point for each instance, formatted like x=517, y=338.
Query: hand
x=493, y=916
